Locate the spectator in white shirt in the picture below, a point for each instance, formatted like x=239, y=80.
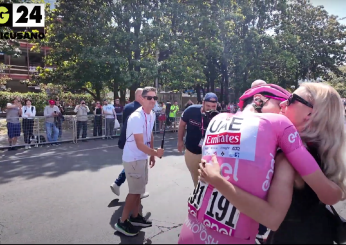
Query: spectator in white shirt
x=28, y=115
x=109, y=113
x=82, y=119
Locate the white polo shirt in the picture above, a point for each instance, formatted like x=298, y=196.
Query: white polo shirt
x=139, y=122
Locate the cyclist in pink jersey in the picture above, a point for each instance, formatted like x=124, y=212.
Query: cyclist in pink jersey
x=295, y=215
x=245, y=145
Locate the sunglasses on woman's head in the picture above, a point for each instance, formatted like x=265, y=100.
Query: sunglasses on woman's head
x=151, y=97
x=295, y=97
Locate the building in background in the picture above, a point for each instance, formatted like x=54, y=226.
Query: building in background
x=22, y=68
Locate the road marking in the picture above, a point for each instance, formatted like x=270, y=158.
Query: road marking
x=54, y=153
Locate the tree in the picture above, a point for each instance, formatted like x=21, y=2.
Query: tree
x=190, y=44
x=339, y=81
x=316, y=39
x=78, y=36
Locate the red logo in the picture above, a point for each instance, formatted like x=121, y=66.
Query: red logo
x=223, y=139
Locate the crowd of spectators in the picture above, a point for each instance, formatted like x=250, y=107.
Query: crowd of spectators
x=105, y=115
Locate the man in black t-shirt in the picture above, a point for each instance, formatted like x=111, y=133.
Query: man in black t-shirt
x=192, y=118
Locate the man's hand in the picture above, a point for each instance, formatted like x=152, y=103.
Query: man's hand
x=180, y=146
x=152, y=162
x=209, y=172
x=160, y=152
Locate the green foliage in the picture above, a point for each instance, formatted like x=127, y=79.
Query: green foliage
x=3, y=77
x=339, y=82
x=201, y=44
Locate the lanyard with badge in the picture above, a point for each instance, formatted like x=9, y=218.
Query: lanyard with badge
x=146, y=128
x=202, y=129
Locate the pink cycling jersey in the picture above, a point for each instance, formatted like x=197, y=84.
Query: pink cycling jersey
x=245, y=145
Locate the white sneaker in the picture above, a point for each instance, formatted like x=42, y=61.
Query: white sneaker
x=115, y=189
x=29, y=147
x=26, y=147
x=145, y=195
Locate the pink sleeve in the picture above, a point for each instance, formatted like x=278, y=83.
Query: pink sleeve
x=293, y=148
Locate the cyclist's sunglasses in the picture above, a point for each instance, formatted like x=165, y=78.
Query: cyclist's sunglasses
x=151, y=97
x=274, y=97
x=295, y=97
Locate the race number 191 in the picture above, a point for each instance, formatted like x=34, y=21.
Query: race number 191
x=28, y=15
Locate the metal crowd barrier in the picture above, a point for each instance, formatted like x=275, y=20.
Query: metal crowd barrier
x=171, y=125
x=33, y=132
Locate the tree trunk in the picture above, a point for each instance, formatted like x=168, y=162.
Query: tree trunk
x=115, y=89
x=222, y=92
x=212, y=84
x=198, y=91
x=122, y=96
x=132, y=94
x=133, y=90
x=296, y=81
x=203, y=91
x=224, y=84
x=98, y=94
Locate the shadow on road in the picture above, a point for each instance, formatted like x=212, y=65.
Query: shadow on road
x=54, y=161
x=139, y=239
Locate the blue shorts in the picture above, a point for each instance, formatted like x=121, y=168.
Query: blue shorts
x=13, y=130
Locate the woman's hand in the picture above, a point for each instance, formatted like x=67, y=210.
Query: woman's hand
x=210, y=172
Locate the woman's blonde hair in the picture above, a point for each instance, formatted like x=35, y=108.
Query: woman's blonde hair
x=326, y=128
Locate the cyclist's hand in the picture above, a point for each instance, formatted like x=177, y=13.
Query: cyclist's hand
x=209, y=172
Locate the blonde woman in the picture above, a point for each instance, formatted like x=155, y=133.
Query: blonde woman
x=293, y=211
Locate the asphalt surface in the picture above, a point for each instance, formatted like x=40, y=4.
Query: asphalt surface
x=62, y=195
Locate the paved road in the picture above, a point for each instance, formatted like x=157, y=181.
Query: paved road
x=61, y=195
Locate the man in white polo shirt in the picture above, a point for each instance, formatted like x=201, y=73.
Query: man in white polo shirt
x=139, y=144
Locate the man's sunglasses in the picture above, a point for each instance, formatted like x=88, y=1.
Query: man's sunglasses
x=295, y=97
x=151, y=97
